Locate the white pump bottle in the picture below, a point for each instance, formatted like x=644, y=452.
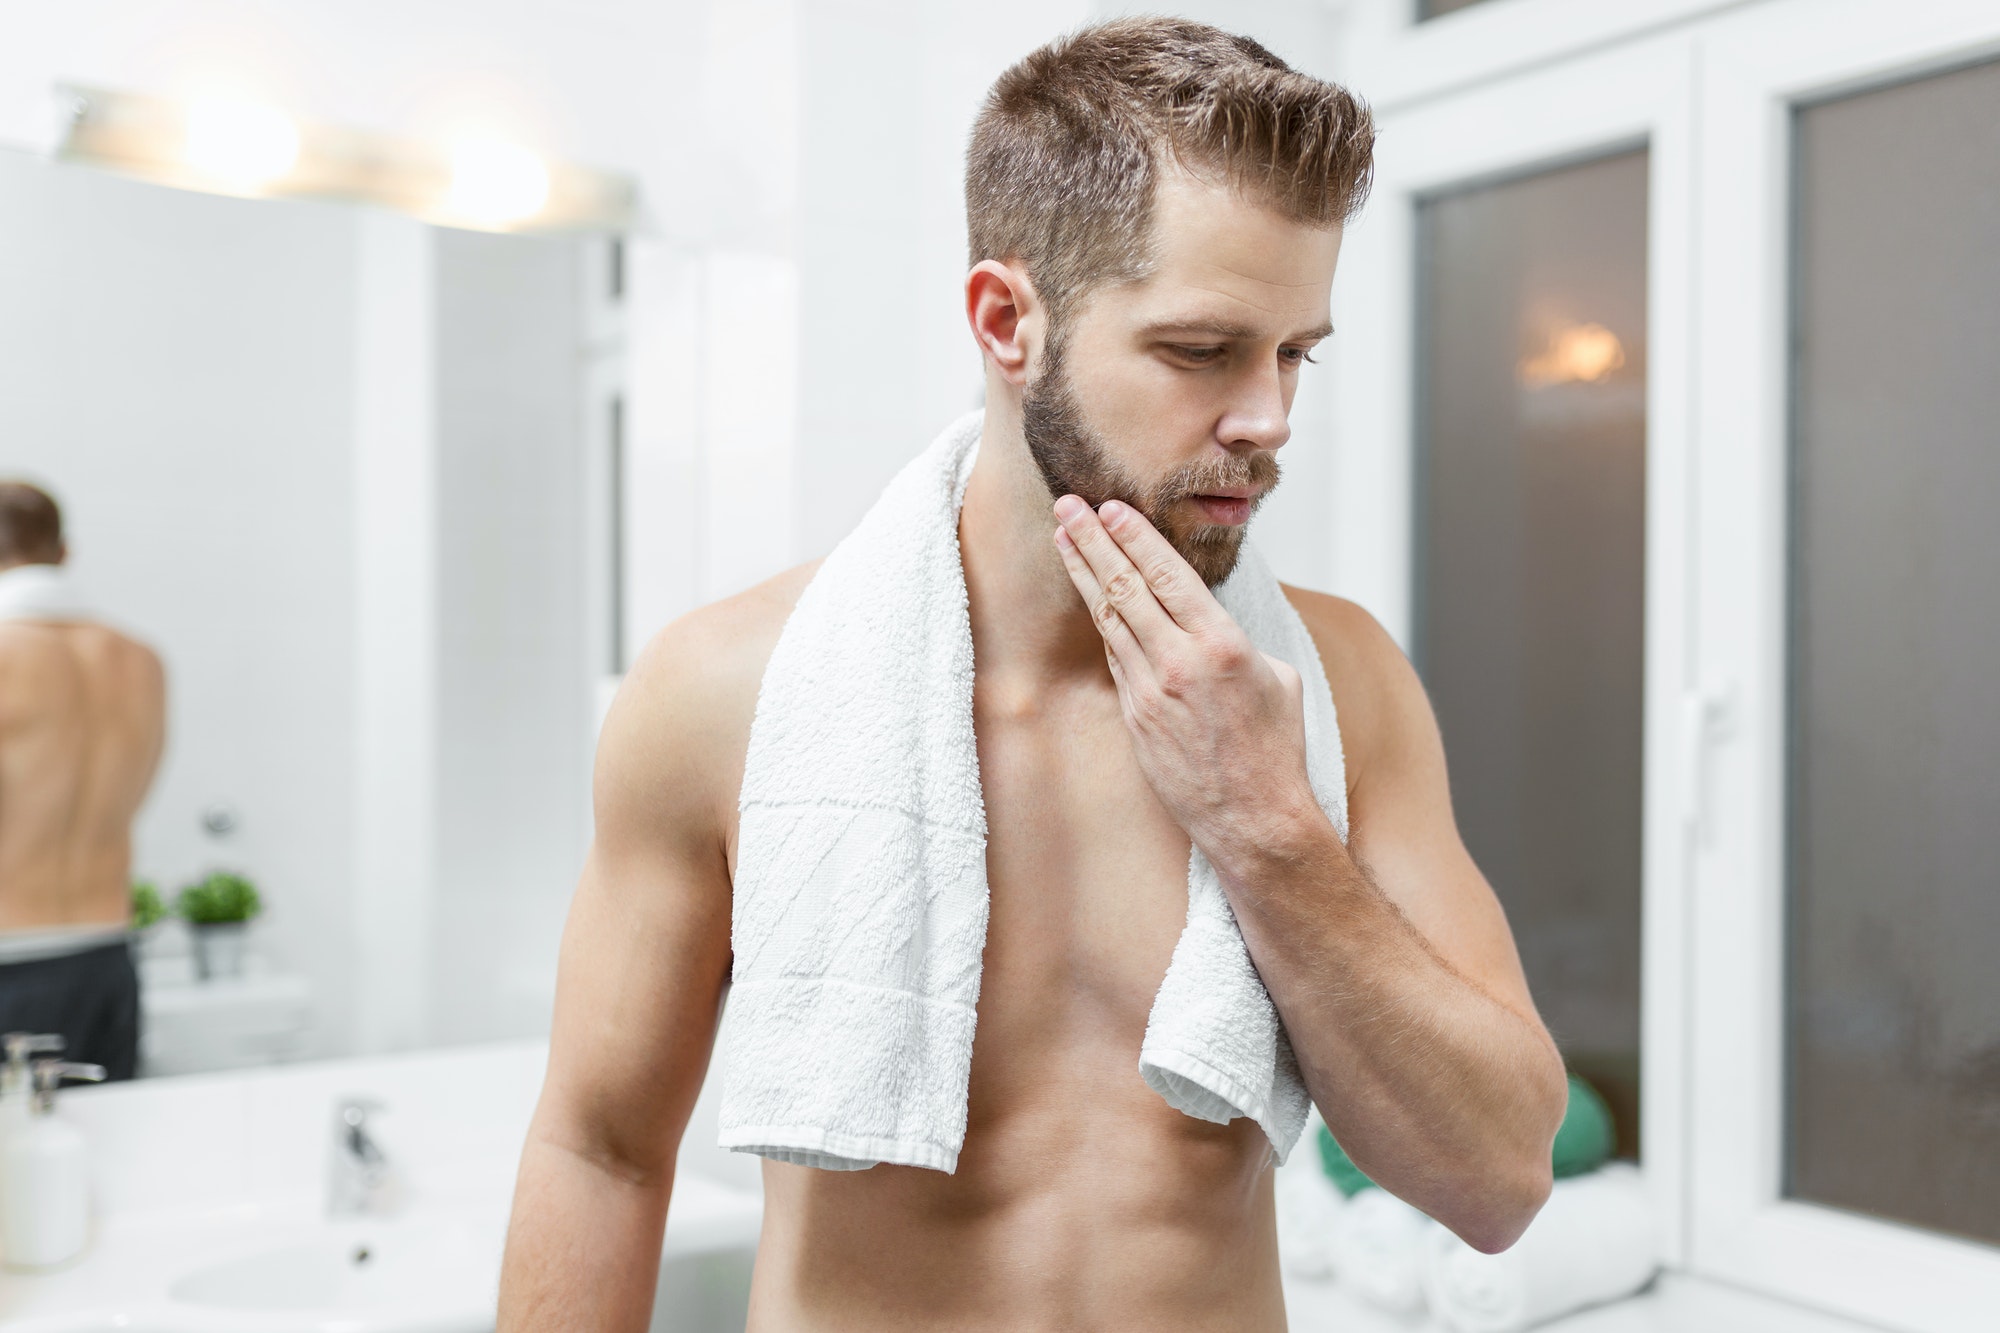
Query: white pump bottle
x=45, y=1177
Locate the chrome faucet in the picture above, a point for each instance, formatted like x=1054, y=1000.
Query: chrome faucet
x=360, y=1181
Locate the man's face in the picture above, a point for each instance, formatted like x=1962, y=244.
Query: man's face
x=1172, y=394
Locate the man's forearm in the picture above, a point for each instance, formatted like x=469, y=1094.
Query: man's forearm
x=1438, y=1091
x=583, y=1245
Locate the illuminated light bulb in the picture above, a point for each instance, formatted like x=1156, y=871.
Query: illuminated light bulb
x=497, y=183
x=1577, y=354
x=241, y=144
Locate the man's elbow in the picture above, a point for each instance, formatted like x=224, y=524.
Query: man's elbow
x=1511, y=1210
x=1509, y=1218
x=642, y=1162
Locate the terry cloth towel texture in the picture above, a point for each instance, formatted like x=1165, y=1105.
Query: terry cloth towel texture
x=860, y=902
x=40, y=592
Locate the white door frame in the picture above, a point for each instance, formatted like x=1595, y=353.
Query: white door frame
x=1633, y=95
x=1406, y=61
x=1756, y=65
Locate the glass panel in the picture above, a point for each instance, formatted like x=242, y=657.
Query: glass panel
x=1893, y=1085
x=1530, y=576
x=1430, y=9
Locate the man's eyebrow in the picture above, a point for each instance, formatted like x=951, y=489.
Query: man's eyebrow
x=1227, y=329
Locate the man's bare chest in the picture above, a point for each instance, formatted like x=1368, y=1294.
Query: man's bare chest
x=1087, y=873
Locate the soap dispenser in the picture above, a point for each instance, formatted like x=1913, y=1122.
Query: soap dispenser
x=16, y=1078
x=45, y=1180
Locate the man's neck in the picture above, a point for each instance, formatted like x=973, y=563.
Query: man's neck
x=1030, y=629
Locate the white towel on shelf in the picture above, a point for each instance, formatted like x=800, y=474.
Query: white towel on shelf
x=1379, y=1248
x=1308, y=1204
x=860, y=902
x=40, y=592
x=1595, y=1240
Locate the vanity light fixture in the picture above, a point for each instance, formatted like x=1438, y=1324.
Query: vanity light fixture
x=243, y=145
x=497, y=183
x=248, y=149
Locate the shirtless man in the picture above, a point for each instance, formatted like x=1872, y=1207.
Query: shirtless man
x=1144, y=291
x=82, y=722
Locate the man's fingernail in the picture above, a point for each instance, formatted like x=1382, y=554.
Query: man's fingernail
x=1111, y=511
x=1069, y=507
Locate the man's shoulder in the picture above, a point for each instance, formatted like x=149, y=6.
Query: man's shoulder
x=686, y=704
x=723, y=646
x=53, y=651
x=1348, y=637
x=1371, y=679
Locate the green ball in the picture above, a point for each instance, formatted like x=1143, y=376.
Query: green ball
x=1585, y=1140
x=1340, y=1168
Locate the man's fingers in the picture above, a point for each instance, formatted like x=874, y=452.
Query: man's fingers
x=1119, y=580
x=1172, y=579
x=1118, y=638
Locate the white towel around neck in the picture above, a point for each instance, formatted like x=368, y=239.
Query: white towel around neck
x=41, y=592
x=860, y=901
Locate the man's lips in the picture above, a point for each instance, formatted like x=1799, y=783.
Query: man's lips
x=1230, y=508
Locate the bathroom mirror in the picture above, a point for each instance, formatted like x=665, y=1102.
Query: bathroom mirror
x=350, y=477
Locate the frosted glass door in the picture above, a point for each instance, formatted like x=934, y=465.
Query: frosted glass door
x=1529, y=587
x=1893, y=877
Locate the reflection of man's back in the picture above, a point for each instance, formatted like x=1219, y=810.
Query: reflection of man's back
x=79, y=732
x=81, y=725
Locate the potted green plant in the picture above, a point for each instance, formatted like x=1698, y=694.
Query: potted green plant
x=148, y=907
x=218, y=910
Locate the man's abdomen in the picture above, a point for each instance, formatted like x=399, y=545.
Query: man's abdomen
x=1082, y=1202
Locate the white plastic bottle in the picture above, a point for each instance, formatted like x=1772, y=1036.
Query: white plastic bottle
x=45, y=1177
x=17, y=1088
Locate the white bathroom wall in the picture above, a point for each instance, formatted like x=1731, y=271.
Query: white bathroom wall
x=177, y=369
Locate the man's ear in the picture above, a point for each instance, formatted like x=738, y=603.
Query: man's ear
x=1006, y=316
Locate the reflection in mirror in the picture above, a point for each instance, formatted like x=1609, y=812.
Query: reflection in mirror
x=298, y=571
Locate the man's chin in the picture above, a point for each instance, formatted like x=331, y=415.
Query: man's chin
x=1212, y=549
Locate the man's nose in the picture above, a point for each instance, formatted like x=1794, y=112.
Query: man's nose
x=1257, y=416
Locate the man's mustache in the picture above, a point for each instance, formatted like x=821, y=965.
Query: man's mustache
x=1260, y=474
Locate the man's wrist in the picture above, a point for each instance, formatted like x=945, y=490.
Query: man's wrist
x=1283, y=838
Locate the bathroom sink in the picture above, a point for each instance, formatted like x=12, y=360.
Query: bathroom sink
x=353, y=1268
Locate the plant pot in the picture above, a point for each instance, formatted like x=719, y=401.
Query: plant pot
x=218, y=949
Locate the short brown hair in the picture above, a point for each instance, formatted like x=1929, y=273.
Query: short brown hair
x=1065, y=154
x=30, y=525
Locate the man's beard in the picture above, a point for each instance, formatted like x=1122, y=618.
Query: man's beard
x=1075, y=461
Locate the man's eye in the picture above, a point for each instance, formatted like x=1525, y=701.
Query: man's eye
x=1198, y=355
x=1298, y=355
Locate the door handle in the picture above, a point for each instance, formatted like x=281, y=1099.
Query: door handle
x=1708, y=718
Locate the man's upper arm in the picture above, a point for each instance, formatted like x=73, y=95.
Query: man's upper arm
x=1401, y=828
x=645, y=953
